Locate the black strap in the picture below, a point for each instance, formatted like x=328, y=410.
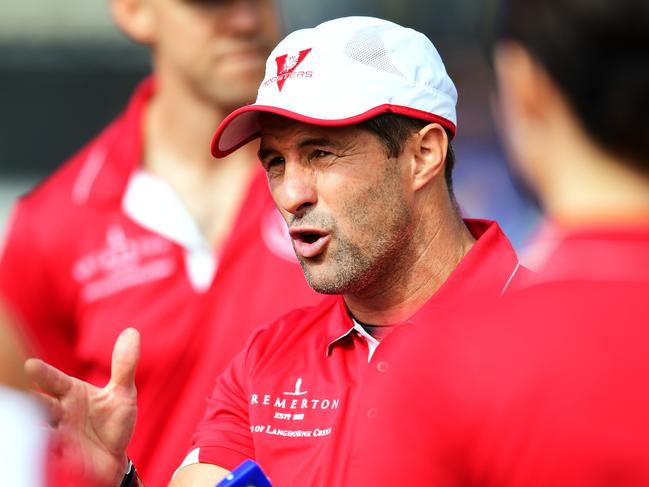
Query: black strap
x=131, y=478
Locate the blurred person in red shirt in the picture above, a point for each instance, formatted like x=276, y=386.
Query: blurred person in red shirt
x=550, y=386
x=143, y=228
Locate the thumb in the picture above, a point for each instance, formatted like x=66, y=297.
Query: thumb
x=125, y=357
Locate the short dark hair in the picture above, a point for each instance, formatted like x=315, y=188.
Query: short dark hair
x=393, y=130
x=597, y=52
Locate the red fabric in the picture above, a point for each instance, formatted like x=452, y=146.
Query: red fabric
x=288, y=400
x=59, y=246
x=550, y=386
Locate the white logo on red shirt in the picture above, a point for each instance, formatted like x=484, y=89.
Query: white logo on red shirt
x=122, y=263
x=297, y=391
x=294, y=408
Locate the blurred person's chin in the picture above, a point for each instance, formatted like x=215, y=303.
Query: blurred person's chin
x=235, y=84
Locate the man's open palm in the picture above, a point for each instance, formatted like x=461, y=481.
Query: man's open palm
x=93, y=426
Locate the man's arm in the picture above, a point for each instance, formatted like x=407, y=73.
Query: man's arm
x=199, y=475
x=222, y=439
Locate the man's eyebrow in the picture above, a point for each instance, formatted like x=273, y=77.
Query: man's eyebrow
x=316, y=141
x=324, y=141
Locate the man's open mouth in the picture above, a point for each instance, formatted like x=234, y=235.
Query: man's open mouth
x=309, y=242
x=309, y=237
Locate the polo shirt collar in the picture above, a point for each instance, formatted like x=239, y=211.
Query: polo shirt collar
x=115, y=154
x=488, y=269
x=340, y=324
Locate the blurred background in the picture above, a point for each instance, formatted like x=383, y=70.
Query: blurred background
x=65, y=71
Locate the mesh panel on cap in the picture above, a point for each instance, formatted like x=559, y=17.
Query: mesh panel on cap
x=367, y=48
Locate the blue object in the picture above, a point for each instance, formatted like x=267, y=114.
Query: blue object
x=248, y=474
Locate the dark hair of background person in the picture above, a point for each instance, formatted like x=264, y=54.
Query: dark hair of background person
x=393, y=130
x=597, y=52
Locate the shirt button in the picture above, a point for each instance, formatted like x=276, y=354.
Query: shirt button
x=382, y=366
x=372, y=413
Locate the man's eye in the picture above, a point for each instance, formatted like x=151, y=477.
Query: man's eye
x=320, y=153
x=273, y=163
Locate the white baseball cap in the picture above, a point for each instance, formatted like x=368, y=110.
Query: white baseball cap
x=343, y=72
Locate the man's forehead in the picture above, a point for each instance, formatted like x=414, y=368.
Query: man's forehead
x=277, y=127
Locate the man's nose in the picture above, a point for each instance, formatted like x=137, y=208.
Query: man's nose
x=297, y=191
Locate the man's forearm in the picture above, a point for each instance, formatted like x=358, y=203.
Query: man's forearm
x=199, y=475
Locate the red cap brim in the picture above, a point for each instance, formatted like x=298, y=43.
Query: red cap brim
x=242, y=125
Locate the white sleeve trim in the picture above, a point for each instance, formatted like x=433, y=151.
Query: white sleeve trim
x=190, y=459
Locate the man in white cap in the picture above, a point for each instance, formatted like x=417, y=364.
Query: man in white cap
x=355, y=118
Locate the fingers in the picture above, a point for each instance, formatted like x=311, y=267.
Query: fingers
x=50, y=379
x=125, y=357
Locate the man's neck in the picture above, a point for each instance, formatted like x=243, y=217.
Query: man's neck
x=434, y=255
x=594, y=188
x=178, y=128
x=180, y=125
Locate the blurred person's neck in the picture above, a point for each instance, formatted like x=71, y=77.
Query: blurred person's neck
x=585, y=185
x=178, y=128
x=180, y=124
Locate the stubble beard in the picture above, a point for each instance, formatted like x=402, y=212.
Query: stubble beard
x=358, y=270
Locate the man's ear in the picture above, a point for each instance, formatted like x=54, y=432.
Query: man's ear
x=431, y=145
x=530, y=109
x=135, y=18
x=521, y=83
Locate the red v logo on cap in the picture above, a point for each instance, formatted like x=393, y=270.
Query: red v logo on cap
x=286, y=65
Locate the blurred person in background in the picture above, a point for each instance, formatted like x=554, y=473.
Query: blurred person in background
x=551, y=385
x=143, y=228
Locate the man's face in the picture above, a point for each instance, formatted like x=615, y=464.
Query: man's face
x=347, y=205
x=217, y=47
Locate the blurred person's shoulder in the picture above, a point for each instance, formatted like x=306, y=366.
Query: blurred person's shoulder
x=58, y=187
x=96, y=175
x=69, y=213
x=549, y=335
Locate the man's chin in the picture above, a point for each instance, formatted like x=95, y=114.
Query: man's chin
x=324, y=288
x=324, y=284
x=315, y=278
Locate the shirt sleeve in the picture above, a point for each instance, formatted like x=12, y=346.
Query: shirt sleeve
x=223, y=436
x=28, y=288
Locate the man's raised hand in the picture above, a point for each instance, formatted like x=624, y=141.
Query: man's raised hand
x=92, y=426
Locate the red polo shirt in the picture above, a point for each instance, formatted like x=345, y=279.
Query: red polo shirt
x=550, y=386
x=102, y=245
x=287, y=399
